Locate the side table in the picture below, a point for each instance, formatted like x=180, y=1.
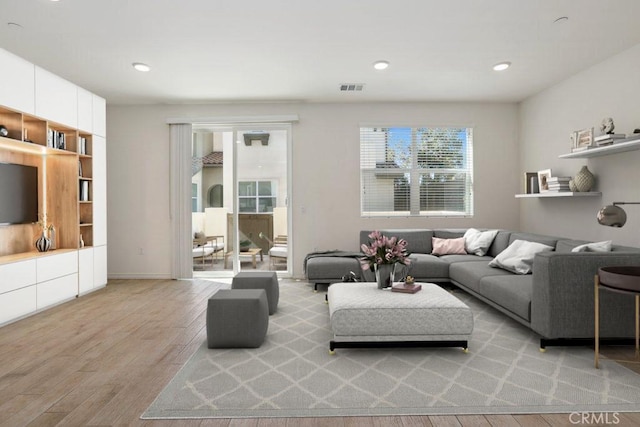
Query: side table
x=624, y=280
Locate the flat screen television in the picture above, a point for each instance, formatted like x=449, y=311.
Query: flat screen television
x=18, y=194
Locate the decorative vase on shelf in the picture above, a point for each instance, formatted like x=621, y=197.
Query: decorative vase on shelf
x=572, y=186
x=43, y=244
x=384, y=275
x=584, y=180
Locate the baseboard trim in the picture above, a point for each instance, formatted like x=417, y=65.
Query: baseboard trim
x=139, y=276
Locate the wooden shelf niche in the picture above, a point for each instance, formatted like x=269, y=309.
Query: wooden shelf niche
x=58, y=176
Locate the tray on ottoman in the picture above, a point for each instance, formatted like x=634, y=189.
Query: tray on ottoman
x=362, y=315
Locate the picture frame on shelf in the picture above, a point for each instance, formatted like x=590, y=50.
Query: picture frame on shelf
x=583, y=140
x=531, y=185
x=543, y=180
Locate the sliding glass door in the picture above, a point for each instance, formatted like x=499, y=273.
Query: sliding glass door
x=240, y=195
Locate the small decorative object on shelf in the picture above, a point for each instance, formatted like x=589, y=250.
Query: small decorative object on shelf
x=52, y=236
x=543, y=177
x=607, y=126
x=81, y=242
x=584, y=180
x=409, y=280
x=3, y=131
x=572, y=186
x=43, y=244
x=582, y=140
x=382, y=254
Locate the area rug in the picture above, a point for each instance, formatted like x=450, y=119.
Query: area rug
x=293, y=375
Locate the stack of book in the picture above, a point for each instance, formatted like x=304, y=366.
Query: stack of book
x=558, y=183
x=608, y=138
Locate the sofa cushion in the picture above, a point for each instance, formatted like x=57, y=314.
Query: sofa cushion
x=465, y=258
x=513, y=292
x=604, y=246
x=478, y=242
x=426, y=266
x=418, y=241
x=531, y=237
x=500, y=243
x=468, y=274
x=448, y=246
x=518, y=257
x=566, y=245
x=449, y=233
x=331, y=268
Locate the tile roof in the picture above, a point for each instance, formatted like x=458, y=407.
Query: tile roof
x=212, y=159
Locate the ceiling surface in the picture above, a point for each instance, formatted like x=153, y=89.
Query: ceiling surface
x=204, y=51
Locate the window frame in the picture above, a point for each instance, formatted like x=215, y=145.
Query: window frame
x=407, y=168
x=257, y=196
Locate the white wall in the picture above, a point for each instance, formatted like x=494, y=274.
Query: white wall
x=326, y=178
x=608, y=89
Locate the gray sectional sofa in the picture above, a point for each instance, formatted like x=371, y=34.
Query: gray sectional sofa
x=555, y=301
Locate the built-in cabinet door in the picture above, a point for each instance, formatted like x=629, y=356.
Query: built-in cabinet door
x=56, y=98
x=17, y=290
x=85, y=110
x=99, y=266
x=57, y=290
x=99, y=191
x=16, y=83
x=17, y=303
x=17, y=275
x=99, y=116
x=56, y=265
x=85, y=270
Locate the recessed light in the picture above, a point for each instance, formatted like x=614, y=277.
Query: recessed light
x=14, y=25
x=501, y=66
x=381, y=65
x=561, y=19
x=141, y=67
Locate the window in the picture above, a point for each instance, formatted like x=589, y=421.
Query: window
x=194, y=197
x=416, y=171
x=256, y=196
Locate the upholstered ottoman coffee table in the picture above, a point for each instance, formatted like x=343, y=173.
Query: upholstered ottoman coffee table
x=364, y=316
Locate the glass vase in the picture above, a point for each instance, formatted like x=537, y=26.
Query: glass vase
x=384, y=275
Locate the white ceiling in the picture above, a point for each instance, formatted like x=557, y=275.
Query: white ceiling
x=205, y=51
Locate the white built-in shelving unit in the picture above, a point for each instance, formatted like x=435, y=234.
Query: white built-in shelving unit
x=36, y=107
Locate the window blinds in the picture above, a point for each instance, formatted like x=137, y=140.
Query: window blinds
x=418, y=171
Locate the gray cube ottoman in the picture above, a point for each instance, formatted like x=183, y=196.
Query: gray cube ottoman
x=237, y=318
x=260, y=280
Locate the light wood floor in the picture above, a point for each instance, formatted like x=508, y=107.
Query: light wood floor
x=101, y=359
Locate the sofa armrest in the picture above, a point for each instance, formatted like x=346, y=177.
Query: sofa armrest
x=562, y=303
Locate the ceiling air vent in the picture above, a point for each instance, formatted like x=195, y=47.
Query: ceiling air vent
x=351, y=87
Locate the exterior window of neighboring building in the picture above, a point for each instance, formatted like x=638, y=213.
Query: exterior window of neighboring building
x=194, y=197
x=418, y=171
x=256, y=196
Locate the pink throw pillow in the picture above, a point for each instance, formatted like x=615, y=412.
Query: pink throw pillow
x=448, y=246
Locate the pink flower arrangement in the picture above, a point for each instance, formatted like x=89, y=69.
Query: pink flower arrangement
x=384, y=250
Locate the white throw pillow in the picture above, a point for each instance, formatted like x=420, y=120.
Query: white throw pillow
x=477, y=242
x=604, y=246
x=518, y=257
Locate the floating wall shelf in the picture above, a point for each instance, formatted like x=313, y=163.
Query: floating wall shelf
x=559, y=194
x=619, y=147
